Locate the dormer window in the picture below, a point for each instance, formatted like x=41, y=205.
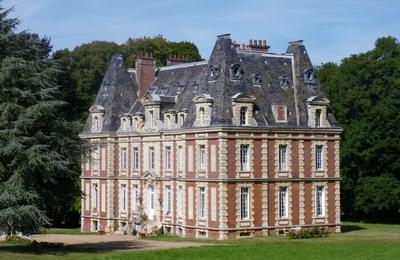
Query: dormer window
x=243, y=116
x=284, y=81
x=280, y=113
x=317, y=111
x=213, y=72
x=203, y=105
x=96, y=124
x=97, y=116
x=309, y=76
x=257, y=80
x=242, y=108
x=236, y=72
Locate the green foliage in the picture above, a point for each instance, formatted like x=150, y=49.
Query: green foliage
x=305, y=233
x=365, y=94
x=39, y=149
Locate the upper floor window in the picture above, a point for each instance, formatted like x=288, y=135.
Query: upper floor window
x=236, y=72
x=151, y=158
x=320, y=201
x=124, y=159
x=202, y=157
x=282, y=157
x=180, y=158
x=168, y=158
x=244, y=157
x=243, y=116
x=244, y=203
x=136, y=158
x=283, y=202
x=319, y=155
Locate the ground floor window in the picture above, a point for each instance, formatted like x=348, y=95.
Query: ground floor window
x=320, y=202
x=283, y=202
x=244, y=203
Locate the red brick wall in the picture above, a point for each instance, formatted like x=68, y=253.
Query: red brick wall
x=271, y=204
x=231, y=205
x=307, y=159
x=257, y=159
x=331, y=202
x=271, y=159
x=308, y=203
x=231, y=158
x=331, y=159
x=190, y=174
x=295, y=159
x=214, y=174
x=257, y=199
x=295, y=204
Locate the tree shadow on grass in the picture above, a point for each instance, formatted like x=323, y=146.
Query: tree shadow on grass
x=350, y=228
x=81, y=248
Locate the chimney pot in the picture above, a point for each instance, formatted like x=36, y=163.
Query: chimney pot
x=264, y=42
x=260, y=42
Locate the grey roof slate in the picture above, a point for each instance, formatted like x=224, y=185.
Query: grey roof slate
x=281, y=75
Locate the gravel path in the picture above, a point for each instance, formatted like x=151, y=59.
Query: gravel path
x=112, y=242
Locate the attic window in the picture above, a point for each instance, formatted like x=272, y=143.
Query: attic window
x=280, y=113
x=257, y=80
x=213, y=72
x=309, y=76
x=236, y=72
x=284, y=81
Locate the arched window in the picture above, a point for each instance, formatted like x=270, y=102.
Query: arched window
x=243, y=116
x=318, y=118
x=96, y=124
x=168, y=120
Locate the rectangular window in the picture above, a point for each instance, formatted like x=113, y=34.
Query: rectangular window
x=202, y=202
x=96, y=159
x=179, y=202
x=151, y=119
x=135, y=197
x=320, y=201
x=180, y=158
x=95, y=190
x=243, y=114
x=124, y=159
x=151, y=158
x=283, y=157
x=168, y=165
x=168, y=200
x=283, y=202
x=190, y=158
x=244, y=203
x=202, y=158
x=244, y=157
x=135, y=158
x=190, y=202
x=123, y=198
x=318, y=118
x=319, y=157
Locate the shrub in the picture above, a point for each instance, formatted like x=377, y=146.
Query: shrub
x=304, y=233
x=46, y=244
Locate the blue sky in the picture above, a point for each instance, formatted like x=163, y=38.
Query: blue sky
x=331, y=30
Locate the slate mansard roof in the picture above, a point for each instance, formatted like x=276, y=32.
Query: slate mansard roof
x=282, y=79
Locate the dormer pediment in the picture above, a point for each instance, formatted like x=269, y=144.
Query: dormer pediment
x=243, y=97
x=151, y=99
x=96, y=109
x=318, y=100
x=203, y=98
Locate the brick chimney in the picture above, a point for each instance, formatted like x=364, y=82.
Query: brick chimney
x=259, y=46
x=175, y=59
x=145, y=72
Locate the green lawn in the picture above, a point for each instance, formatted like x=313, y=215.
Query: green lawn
x=68, y=231
x=359, y=241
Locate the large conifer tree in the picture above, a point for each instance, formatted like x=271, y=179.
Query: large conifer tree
x=39, y=150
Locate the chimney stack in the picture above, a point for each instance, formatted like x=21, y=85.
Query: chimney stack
x=258, y=45
x=145, y=72
x=176, y=59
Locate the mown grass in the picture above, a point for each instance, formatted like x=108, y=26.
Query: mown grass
x=66, y=231
x=358, y=241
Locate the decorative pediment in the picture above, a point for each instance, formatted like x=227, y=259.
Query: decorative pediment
x=203, y=98
x=318, y=100
x=96, y=109
x=150, y=175
x=243, y=97
x=151, y=99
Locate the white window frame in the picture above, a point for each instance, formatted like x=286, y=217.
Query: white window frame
x=151, y=158
x=318, y=113
x=180, y=158
x=202, y=112
x=123, y=199
x=167, y=200
x=168, y=158
x=283, y=202
x=244, y=157
x=94, y=196
x=320, y=201
x=135, y=158
x=124, y=158
x=202, y=157
x=135, y=197
x=283, y=157
x=243, y=115
x=202, y=202
x=319, y=157
x=96, y=158
x=179, y=202
x=244, y=203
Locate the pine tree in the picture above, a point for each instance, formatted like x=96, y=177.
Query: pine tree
x=39, y=149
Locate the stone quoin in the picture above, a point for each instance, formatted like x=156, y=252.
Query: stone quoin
x=244, y=144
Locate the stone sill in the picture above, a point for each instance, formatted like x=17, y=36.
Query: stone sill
x=244, y=174
x=245, y=223
x=283, y=173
